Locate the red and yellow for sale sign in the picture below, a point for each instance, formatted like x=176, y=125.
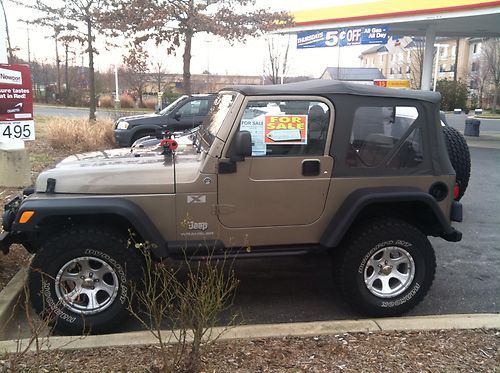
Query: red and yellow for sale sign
x=285, y=129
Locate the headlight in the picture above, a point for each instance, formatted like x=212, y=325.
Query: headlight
x=122, y=126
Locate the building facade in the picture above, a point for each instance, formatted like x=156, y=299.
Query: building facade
x=402, y=58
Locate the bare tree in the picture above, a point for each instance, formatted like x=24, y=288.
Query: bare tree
x=178, y=21
x=491, y=55
x=159, y=73
x=137, y=70
x=277, y=65
x=82, y=18
x=416, y=61
x=481, y=79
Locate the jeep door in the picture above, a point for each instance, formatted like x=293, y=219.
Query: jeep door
x=286, y=179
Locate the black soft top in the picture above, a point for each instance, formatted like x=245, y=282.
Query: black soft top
x=326, y=87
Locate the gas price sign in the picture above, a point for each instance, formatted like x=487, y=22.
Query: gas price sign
x=16, y=103
x=343, y=37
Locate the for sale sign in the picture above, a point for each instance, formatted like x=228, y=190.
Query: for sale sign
x=286, y=129
x=16, y=103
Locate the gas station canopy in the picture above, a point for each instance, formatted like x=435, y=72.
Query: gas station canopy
x=480, y=18
x=451, y=18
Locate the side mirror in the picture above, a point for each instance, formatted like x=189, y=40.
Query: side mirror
x=241, y=146
x=177, y=116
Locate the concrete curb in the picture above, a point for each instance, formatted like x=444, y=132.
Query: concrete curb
x=306, y=329
x=9, y=296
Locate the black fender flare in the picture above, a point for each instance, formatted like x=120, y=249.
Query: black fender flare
x=145, y=127
x=361, y=198
x=73, y=207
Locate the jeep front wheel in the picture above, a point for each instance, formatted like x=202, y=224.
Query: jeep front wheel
x=79, y=281
x=387, y=268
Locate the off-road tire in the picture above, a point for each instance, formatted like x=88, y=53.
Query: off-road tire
x=102, y=244
x=459, y=154
x=363, y=244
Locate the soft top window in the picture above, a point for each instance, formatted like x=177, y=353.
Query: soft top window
x=385, y=136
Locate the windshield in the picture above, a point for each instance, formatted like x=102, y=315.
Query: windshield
x=216, y=116
x=171, y=107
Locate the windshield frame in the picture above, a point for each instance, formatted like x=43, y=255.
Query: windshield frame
x=215, y=119
x=172, y=105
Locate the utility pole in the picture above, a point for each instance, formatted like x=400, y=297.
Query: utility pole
x=58, y=63
x=117, y=97
x=66, y=74
x=6, y=31
x=455, y=72
x=28, y=36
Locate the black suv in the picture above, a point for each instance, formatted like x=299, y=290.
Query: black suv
x=184, y=113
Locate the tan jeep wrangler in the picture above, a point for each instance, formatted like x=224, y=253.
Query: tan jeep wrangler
x=360, y=171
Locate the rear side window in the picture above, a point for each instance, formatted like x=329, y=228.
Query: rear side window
x=385, y=136
x=286, y=127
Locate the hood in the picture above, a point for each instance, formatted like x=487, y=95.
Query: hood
x=138, y=116
x=118, y=171
x=155, y=119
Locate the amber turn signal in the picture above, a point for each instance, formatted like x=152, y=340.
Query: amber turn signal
x=26, y=216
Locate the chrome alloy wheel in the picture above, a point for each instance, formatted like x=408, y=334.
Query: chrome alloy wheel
x=389, y=272
x=86, y=285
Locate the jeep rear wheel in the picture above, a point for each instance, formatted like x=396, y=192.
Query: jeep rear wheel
x=459, y=154
x=79, y=280
x=387, y=268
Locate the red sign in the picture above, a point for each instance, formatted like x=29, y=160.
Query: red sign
x=285, y=129
x=16, y=103
x=16, y=94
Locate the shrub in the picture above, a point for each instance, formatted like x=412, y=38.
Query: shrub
x=150, y=103
x=453, y=94
x=80, y=135
x=126, y=102
x=106, y=101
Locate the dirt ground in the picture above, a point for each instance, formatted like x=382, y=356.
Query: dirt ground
x=436, y=351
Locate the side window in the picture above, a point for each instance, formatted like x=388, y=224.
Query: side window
x=385, y=136
x=195, y=107
x=281, y=128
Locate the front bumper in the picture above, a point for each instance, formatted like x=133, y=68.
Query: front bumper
x=122, y=137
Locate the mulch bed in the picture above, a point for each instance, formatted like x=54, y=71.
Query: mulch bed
x=435, y=351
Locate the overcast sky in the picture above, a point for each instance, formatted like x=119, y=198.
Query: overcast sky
x=209, y=52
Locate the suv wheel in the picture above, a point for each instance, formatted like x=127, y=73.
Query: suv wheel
x=459, y=154
x=387, y=268
x=80, y=279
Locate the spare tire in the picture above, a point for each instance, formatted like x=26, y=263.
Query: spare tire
x=459, y=154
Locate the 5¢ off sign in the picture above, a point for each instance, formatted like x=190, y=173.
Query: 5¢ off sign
x=16, y=103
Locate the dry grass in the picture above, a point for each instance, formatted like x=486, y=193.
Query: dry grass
x=106, y=101
x=79, y=135
x=126, y=102
x=150, y=103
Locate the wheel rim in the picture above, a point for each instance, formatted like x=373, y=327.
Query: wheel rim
x=389, y=272
x=86, y=285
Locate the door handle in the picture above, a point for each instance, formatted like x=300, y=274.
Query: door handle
x=311, y=167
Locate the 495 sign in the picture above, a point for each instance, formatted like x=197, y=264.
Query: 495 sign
x=16, y=103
